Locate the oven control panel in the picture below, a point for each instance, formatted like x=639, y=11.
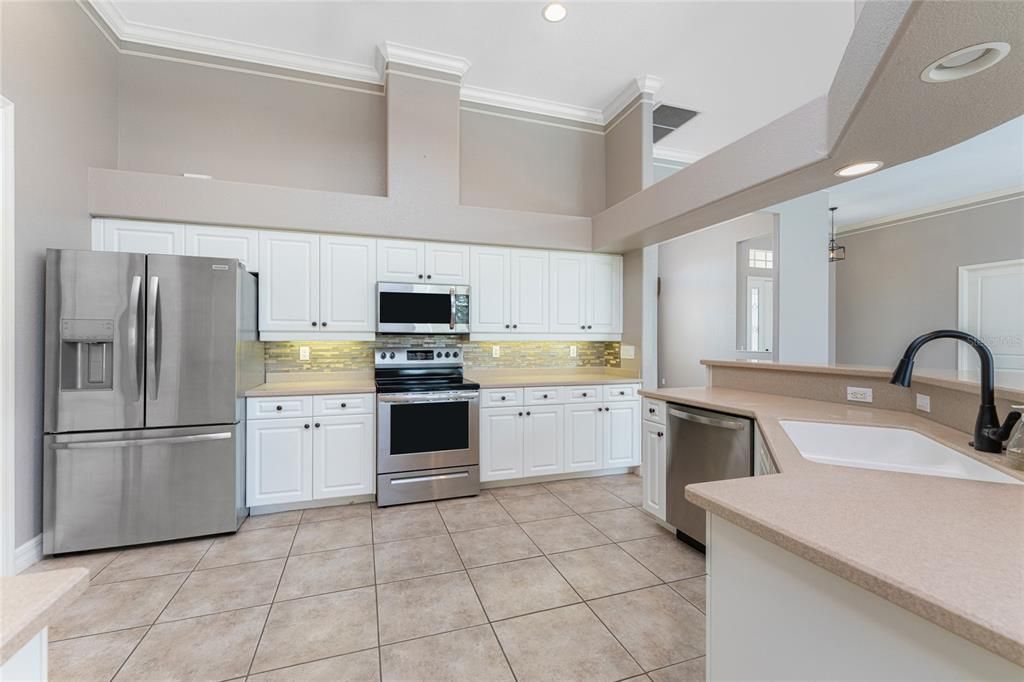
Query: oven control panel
x=417, y=357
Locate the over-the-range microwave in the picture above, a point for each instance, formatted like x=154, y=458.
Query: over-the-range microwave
x=422, y=308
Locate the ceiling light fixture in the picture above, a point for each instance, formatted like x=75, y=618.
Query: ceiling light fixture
x=965, y=62
x=555, y=12
x=859, y=168
x=835, y=252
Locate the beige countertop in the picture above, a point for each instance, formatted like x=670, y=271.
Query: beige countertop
x=28, y=603
x=314, y=383
x=948, y=550
x=505, y=378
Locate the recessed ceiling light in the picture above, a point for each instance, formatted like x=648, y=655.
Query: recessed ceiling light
x=965, y=62
x=555, y=12
x=858, y=168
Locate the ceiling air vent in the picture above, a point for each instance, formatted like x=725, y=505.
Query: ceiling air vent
x=668, y=118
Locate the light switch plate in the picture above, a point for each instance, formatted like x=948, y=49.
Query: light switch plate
x=572, y=351
x=859, y=395
x=924, y=402
x=627, y=351
x=303, y=352
x=495, y=351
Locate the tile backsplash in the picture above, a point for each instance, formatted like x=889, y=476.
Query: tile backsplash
x=335, y=356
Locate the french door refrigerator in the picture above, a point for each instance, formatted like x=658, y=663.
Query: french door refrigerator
x=147, y=361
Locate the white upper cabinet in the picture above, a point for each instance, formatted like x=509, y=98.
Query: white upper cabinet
x=604, y=293
x=446, y=263
x=348, y=276
x=528, y=291
x=224, y=242
x=489, y=290
x=568, y=293
x=399, y=260
x=138, y=236
x=289, y=281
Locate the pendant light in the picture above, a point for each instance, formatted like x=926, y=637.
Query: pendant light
x=835, y=252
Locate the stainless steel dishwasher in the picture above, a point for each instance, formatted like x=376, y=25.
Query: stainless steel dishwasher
x=703, y=446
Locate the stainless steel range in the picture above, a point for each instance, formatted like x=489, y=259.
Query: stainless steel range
x=428, y=419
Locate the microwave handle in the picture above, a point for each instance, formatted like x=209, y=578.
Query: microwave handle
x=451, y=296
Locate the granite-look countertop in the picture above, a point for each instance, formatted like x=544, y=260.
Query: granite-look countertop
x=507, y=378
x=949, y=550
x=28, y=603
x=319, y=383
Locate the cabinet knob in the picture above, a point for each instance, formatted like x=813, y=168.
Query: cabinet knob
x=515, y=326
x=527, y=413
x=584, y=394
x=545, y=395
x=622, y=393
x=651, y=410
x=344, y=405
x=317, y=425
x=313, y=323
x=583, y=326
x=420, y=276
x=279, y=408
x=503, y=397
x=520, y=414
x=660, y=434
x=429, y=276
x=607, y=409
x=506, y=326
x=305, y=426
x=323, y=324
x=589, y=326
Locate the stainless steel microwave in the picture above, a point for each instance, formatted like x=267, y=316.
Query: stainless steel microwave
x=422, y=308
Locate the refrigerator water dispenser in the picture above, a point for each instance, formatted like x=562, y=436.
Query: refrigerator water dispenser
x=87, y=355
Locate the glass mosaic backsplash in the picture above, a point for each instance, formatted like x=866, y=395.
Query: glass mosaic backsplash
x=336, y=356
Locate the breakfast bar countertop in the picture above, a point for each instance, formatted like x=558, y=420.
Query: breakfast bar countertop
x=948, y=550
x=30, y=602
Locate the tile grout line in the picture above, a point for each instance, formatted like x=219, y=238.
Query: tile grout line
x=266, y=619
x=376, y=599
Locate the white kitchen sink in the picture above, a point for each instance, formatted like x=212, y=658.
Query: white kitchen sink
x=888, y=449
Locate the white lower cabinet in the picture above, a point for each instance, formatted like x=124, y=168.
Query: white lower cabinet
x=584, y=437
x=542, y=440
x=621, y=434
x=279, y=461
x=318, y=455
x=501, y=443
x=652, y=469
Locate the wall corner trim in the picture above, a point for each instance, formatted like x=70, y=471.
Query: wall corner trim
x=28, y=554
x=646, y=85
x=397, y=53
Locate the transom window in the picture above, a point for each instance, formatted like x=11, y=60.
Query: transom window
x=761, y=258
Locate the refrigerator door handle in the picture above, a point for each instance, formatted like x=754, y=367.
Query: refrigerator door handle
x=133, y=334
x=170, y=440
x=152, y=345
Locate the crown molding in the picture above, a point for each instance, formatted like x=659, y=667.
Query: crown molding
x=134, y=32
x=532, y=105
x=934, y=211
x=641, y=85
x=396, y=53
x=676, y=155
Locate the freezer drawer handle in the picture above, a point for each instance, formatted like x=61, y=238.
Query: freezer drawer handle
x=720, y=423
x=170, y=440
x=423, y=479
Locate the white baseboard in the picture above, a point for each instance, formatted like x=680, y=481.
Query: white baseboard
x=28, y=554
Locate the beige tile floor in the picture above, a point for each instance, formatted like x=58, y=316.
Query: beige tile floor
x=559, y=581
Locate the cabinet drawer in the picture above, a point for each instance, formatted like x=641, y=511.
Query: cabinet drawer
x=614, y=392
x=279, y=407
x=545, y=395
x=583, y=394
x=350, y=403
x=497, y=397
x=654, y=411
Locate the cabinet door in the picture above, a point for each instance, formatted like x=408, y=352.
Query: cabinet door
x=289, y=281
x=501, y=443
x=529, y=295
x=138, y=236
x=543, y=442
x=568, y=292
x=446, y=263
x=400, y=261
x=278, y=454
x=622, y=434
x=653, y=469
x=584, y=440
x=343, y=456
x=224, y=242
x=604, y=294
x=489, y=291
x=348, y=279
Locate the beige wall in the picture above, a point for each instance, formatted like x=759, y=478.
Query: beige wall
x=61, y=74
x=899, y=282
x=628, y=169
x=532, y=166
x=632, y=308
x=179, y=118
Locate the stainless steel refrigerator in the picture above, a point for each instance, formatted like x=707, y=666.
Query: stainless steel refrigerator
x=147, y=361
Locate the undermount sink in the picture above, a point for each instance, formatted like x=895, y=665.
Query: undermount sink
x=888, y=449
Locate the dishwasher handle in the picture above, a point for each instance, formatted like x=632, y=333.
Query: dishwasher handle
x=707, y=421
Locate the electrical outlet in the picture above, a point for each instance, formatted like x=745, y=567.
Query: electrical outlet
x=859, y=395
x=627, y=351
x=924, y=402
x=303, y=352
x=572, y=351
x=495, y=351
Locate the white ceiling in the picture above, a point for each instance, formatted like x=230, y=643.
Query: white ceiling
x=741, y=64
x=990, y=162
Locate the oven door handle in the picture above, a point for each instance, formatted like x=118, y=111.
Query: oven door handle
x=424, y=479
x=427, y=398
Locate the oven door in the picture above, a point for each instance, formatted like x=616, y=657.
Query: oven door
x=422, y=308
x=420, y=431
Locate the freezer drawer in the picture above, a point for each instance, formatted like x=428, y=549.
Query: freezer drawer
x=109, y=489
